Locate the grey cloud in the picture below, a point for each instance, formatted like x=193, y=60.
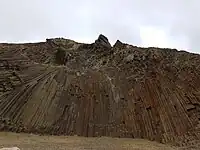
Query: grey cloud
x=21, y=20
x=180, y=17
x=27, y=20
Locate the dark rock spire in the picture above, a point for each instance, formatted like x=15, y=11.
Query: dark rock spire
x=103, y=41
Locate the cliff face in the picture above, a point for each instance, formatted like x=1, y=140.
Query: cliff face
x=67, y=88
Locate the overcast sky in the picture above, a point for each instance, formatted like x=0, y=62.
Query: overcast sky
x=159, y=23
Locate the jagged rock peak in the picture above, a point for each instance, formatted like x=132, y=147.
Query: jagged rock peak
x=119, y=44
x=103, y=41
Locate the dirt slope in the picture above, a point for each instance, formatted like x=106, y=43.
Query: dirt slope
x=34, y=142
x=63, y=87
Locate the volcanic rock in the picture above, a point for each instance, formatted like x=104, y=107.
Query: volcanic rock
x=62, y=87
x=119, y=44
x=103, y=41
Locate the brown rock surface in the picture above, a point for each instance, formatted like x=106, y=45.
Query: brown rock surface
x=63, y=87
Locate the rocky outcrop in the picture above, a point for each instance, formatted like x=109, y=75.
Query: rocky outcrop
x=89, y=90
x=119, y=44
x=103, y=41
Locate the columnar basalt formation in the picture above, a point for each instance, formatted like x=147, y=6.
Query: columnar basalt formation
x=63, y=87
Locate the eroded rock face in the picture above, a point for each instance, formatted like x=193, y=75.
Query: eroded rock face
x=120, y=91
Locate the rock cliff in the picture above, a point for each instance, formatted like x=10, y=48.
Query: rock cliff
x=63, y=87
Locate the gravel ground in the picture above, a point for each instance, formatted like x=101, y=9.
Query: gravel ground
x=35, y=142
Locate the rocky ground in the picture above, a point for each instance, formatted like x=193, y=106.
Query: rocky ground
x=34, y=142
